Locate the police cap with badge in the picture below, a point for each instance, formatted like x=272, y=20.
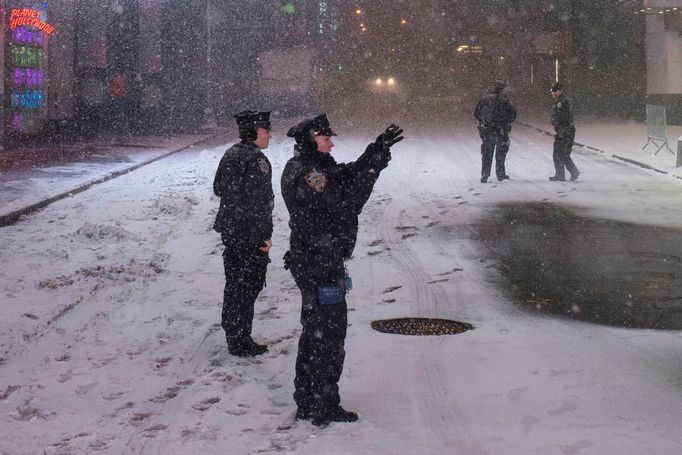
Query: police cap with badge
x=305, y=131
x=556, y=87
x=249, y=121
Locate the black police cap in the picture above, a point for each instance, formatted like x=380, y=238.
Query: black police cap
x=247, y=119
x=318, y=125
x=557, y=86
x=499, y=86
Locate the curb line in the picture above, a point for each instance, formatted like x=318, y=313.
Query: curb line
x=618, y=157
x=12, y=217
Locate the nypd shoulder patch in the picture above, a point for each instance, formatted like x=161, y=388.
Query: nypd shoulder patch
x=316, y=180
x=264, y=165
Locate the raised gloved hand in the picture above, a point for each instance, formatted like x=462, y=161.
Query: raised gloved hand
x=390, y=136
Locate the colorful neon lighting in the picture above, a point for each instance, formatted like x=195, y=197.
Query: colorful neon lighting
x=27, y=17
x=27, y=74
x=28, y=77
x=18, y=121
x=27, y=56
x=28, y=37
x=28, y=99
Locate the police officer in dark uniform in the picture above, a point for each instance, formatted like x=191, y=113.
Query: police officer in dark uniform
x=495, y=114
x=562, y=120
x=244, y=220
x=324, y=199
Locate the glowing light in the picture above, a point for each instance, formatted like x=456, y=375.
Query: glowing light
x=289, y=8
x=28, y=99
x=25, y=36
x=27, y=56
x=28, y=77
x=379, y=81
x=28, y=18
x=358, y=12
x=18, y=121
x=391, y=81
x=403, y=21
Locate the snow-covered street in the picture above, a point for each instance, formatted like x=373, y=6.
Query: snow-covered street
x=111, y=342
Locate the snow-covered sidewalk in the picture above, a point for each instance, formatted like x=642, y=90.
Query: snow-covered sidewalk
x=619, y=139
x=35, y=184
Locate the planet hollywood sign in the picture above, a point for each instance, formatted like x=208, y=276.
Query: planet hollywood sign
x=27, y=77
x=28, y=18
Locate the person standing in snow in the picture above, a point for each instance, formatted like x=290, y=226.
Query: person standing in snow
x=495, y=114
x=562, y=120
x=243, y=182
x=324, y=199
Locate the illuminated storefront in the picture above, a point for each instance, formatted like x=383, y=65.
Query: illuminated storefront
x=27, y=32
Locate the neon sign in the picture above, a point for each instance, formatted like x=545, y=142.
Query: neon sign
x=28, y=77
x=28, y=18
x=28, y=99
x=27, y=56
x=28, y=37
x=26, y=74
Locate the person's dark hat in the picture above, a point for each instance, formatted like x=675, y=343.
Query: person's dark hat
x=253, y=119
x=317, y=126
x=499, y=86
x=557, y=86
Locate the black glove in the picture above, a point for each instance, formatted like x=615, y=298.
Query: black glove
x=379, y=160
x=392, y=135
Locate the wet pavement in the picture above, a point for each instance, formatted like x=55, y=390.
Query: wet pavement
x=602, y=271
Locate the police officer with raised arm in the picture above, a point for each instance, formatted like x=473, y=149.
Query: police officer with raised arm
x=324, y=199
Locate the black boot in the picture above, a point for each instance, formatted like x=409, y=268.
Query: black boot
x=336, y=415
x=245, y=347
x=303, y=414
x=341, y=415
x=557, y=179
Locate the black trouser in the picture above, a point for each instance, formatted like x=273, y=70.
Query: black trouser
x=562, y=156
x=320, y=355
x=492, y=140
x=244, y=279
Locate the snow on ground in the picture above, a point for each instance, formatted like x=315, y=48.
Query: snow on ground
x=111, y=340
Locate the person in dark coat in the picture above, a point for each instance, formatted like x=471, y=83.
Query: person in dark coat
x=243, y=182
x=495, y=114
x=562, y=120
x=324, y=199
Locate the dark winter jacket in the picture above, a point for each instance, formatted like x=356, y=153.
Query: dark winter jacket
x=244, y=183
x=324, y=199
x=495, y=112
x=562, y=118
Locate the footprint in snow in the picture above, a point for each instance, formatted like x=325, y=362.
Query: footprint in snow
x=154, y=430
x=203, y=405
x=455, y=270
x=391, y=289
x=438, y=281
x=376, y=242
x=408, y=235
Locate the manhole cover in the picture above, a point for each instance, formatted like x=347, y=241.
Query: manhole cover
x=421, y=326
